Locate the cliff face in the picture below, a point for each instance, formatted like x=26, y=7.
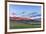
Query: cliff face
x=19, y=18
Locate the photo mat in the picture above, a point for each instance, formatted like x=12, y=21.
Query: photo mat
x=24, y=17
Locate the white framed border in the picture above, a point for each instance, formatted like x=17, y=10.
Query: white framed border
x=26, y=29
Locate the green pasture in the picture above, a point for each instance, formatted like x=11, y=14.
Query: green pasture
x=18, y=25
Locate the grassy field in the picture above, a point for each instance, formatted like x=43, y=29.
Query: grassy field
x=24, y=24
